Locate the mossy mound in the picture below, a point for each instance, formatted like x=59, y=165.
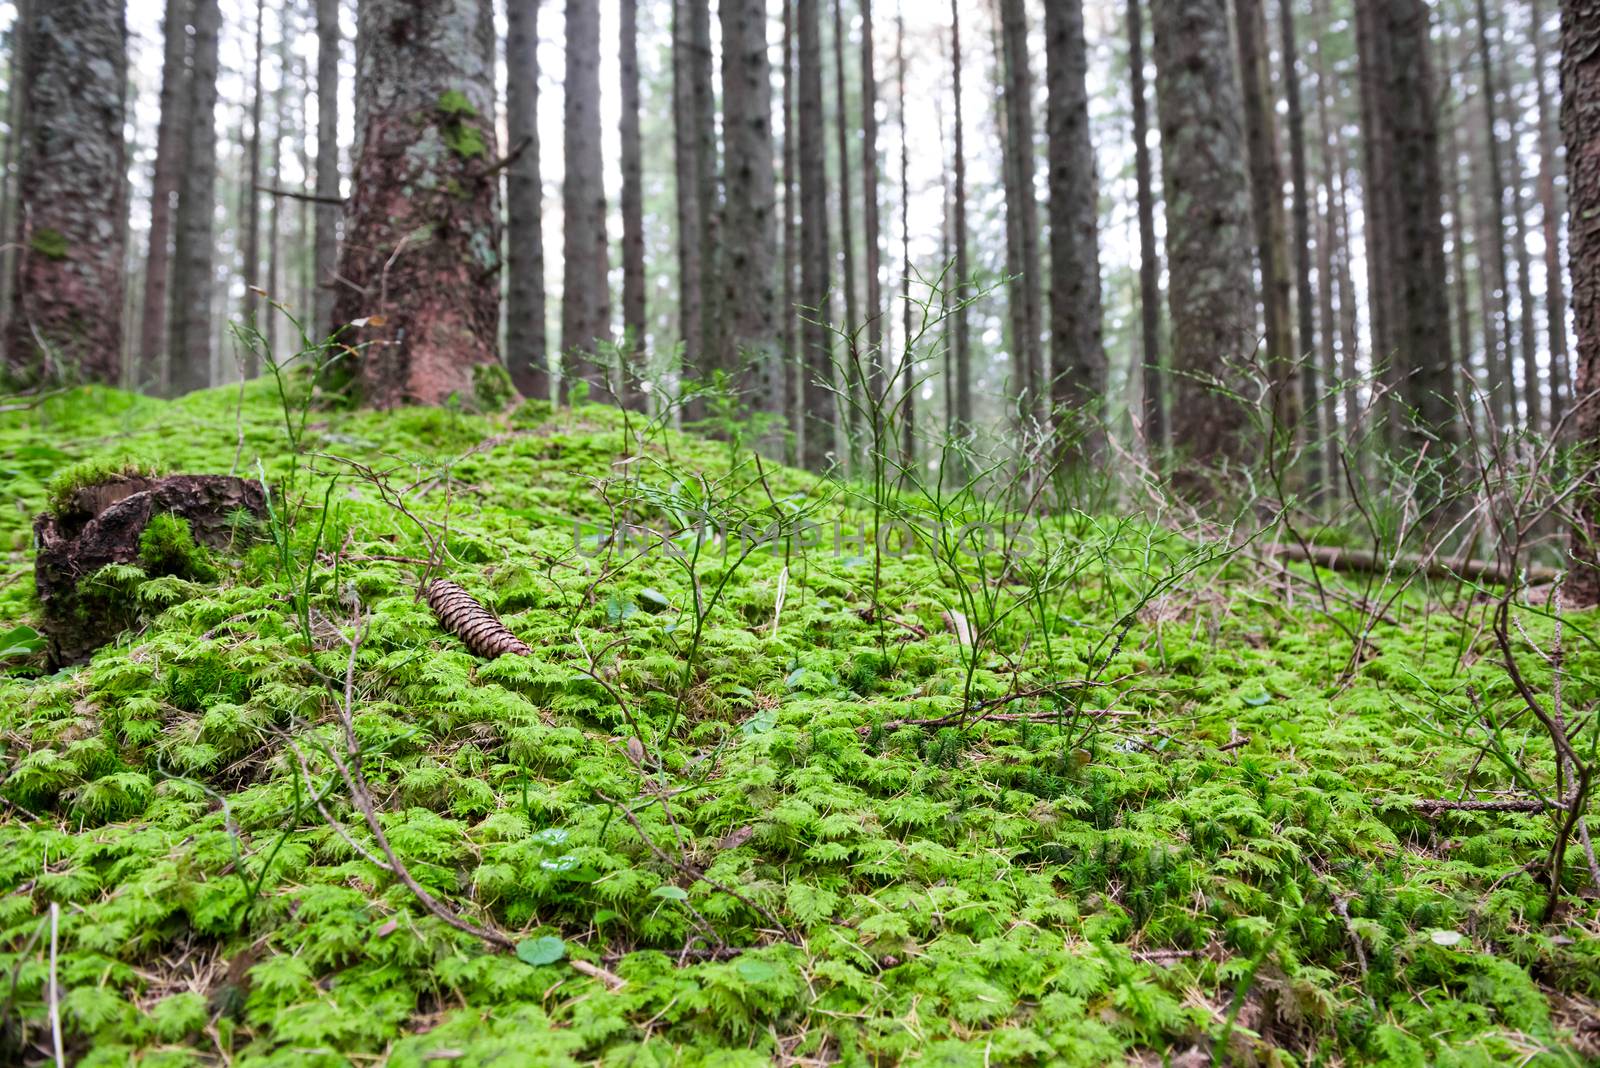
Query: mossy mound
x=799, y=823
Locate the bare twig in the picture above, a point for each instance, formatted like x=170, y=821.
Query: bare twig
x=294, y=194
x=55, y=987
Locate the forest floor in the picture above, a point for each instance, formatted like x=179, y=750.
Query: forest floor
x=1129, y=797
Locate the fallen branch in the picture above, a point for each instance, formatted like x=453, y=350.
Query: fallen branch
x=1338, y=558
x=1512, y=804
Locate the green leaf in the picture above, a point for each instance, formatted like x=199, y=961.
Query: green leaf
x=1258, y=700
x=754, y=970
x=20, y=641
x=654, y=600
x=546, y=949
x=671, y=893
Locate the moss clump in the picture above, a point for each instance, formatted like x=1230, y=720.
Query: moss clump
x=459, y=132
x=71, y=479
x=454, y=102
x=167, y=547
x=491, y=387
x=51, y=244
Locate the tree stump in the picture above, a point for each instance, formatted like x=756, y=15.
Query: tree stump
x=101, y=524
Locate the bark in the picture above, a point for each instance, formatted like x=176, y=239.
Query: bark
x=1377, y=195
x=1266, y=212
x=908, y=360
x=749, y=290
x=686, y=153
x=1527, y=332
x=707, y=182
x=871, y=225
x=421, y=228
x=1305, y=349
x=1458, y=258
x=252, y=195
x=960, y=341
x=189, y=352
x=1401, y=118
x=16, y=95
x=151, y=366
x=67, y=319
x=1077, y=377
x=793, y=374
x=817, y=433
x=1211, y=295
x=1155, y=425
x=1580, y=130
x=847, y=234
x=276, y=285
x=1494, y=198
x=1019, y=127
x=1555, y=300
x=527, y=355
x=633, y=308
x=326, y=252
x=585, y=286
x=1327, y=238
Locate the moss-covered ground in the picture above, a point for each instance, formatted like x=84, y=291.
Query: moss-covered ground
x=1169, y=828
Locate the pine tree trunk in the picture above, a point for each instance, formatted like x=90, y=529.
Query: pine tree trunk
x=1026, y=288
x=585, y=286
x=189, y=352
x=252, y=197
x=686, y=153
x=327, y=240
x=1266, y=212
x=817, y=433
x=871, y=225
x=908, y=357
x=707, y=183
x=633, y=309
x=1077, y=378
x=16, y=95
x=1155, y=432
x=847, y=236
x=67, y=321
x=1327, y=355
x=1494, y=200
x=793, y=365
x=1580, y=129
x=275, y=283
x=1527, y=332
x=749, y=294
x=1305, y=349
x=421, y=226
x=960, y=341
x=527, y=354
x=1555, y=301
x=151, y=364
x=1458, y=263
x=1211, y=293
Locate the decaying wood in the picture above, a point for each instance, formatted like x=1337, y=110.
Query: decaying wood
x=461, y=614
x=100, y=524
x=1337, y=558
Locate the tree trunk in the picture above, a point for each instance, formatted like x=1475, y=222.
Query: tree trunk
x=151, y=367
x=252, y=196
x=67, y=321
x=527, y=355
x=707, y=180
x=1266, y=213
x=1580, y=129
x=960, y=341
x=793, y=365
x=189, y=352
x=1327, y=232
x=1155, y=432
x=327, y=240
x=847, y=235
x=1305, y=350
x=1077, y=381
x=633, y=309
x=817, y=433
x=685, y=154
x=16, y=95
x=585, y=286
x=908, y=357
x=1026, y=288
x=1527, y=332
x=421, y=236
x=1210, y=294
x=749, y=294
x=870, y=224
x=1555, y=300
x=276, y=286
x=1500, y=362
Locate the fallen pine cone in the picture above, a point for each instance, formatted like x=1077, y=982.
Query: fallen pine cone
x=475, y=625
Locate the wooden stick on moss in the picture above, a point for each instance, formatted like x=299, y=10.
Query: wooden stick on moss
x=462, y=615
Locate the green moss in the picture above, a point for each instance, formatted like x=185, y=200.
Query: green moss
x=51, y=244
x=454, y=102
x=167, y=547
x=491, y=387
x=70, y=479
x=465, y=140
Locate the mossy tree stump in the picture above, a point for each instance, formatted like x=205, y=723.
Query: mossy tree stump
x=102, y=523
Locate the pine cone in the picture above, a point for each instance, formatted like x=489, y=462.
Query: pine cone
x=475, y=625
